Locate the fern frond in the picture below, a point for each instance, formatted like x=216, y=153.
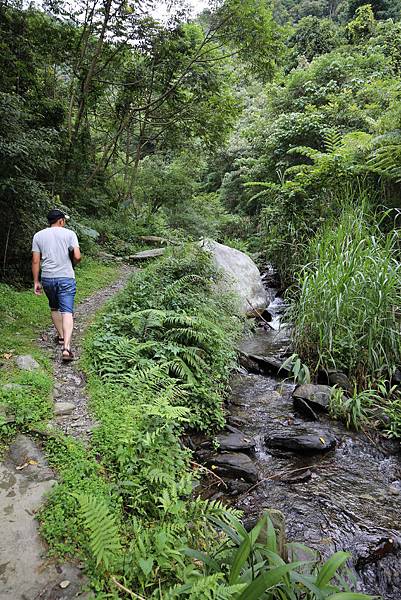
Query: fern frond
x=310, y=153
x=104, y=538
x=332, y=140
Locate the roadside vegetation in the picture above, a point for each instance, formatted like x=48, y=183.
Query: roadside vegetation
x=126, y=504
x=24, y=317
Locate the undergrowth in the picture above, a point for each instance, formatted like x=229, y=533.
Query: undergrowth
x=158, y=361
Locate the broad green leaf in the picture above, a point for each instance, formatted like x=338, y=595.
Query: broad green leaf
x=330, y=568
x=266, y=581
x=146, y=565
x=240, y=558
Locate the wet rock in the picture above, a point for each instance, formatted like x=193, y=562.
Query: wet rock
x=368, y=549
x=235, y=487
x=300, y=476
x=63, y=408
x=236, y=465
x=24, y=456
x=310, y=398
x=232, y=429
x=26, y=363
x=340, y=380
x=235, y=421
x=235, y=442
x=145, y=254
x=301, y=441
x=264, y=364
x=241, y=276
x=396, y=378
x=249, y=364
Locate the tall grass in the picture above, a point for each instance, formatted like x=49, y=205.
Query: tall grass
x=347, y=314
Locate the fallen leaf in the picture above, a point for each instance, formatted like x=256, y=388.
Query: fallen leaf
x=322, y=440
x=20, y=467
x=7, y=355
x=26, y=464
x=64, y=584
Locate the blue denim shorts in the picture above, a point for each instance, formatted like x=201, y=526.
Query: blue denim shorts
x=60, y=292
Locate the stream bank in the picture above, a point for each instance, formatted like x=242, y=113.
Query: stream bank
x=338, y=489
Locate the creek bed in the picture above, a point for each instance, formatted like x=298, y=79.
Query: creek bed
x=348, y=498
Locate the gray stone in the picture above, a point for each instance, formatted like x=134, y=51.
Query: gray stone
x=234, y=442
x=63, y=408
x=13, y=386
x=154, y=239
x=145, y=254
x=238, y=466
x=309, y=398
x=241, y=275
x=340, y=380
x=26, y=363
x=23, y=455
x=301, y=441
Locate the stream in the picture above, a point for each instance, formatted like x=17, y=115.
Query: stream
x=347, y=498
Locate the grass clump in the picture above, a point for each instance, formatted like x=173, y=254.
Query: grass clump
x=347, y=312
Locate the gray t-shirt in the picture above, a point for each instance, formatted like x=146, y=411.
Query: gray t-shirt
x=54, y=244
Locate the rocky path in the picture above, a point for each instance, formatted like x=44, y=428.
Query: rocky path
x=25, y=478
x=70, y=409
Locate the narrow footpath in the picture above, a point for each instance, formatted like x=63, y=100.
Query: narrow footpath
x=25, y=477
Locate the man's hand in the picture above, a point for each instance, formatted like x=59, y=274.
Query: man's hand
x=37, y=288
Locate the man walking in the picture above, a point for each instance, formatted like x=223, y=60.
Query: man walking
x=58, y=249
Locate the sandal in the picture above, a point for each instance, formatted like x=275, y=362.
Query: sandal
x=59, y=340
x=67, y=357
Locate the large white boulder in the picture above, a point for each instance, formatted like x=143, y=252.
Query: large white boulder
x=240, y=275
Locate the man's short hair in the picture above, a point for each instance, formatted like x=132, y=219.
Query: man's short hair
x=55, y=214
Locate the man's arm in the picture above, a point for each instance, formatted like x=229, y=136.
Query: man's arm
x=74, y=251
x=35, y=272
x=75, y=255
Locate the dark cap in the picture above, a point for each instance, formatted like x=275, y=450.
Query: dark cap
x=55, y=214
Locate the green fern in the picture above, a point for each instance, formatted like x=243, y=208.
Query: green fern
x=104, y=538
x=332, y=140
x=387, y=160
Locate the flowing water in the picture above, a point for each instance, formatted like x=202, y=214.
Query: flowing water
x=346, y=499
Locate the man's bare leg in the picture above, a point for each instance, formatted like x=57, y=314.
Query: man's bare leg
x=57, y=322
x=68, y=323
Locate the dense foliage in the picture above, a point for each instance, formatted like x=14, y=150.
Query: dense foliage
x=275, y=129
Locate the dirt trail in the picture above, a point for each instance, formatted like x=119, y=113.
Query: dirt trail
x=25, y=478
x=71, y=411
